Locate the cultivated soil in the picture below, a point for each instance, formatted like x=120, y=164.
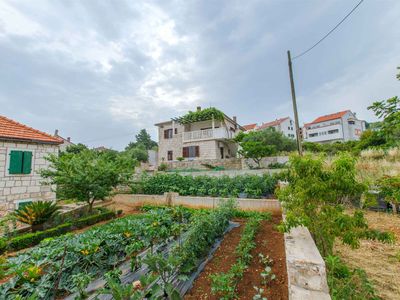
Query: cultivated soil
x=269, y=242
x=380, y=261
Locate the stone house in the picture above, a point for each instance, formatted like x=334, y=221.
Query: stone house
x=22, y=152
x=203, y=140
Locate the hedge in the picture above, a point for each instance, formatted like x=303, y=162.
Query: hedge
x=253, y=186
x=31, y=239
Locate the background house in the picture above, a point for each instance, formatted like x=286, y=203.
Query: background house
x=208, y=139
x=22, y=152
x=65, y=141
x=341, y=126
x=284, y=125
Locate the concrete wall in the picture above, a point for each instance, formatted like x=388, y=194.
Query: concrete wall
x=21, y=187
x=305, y=267
x=271, y=205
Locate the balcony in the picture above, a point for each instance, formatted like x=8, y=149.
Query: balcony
x=207, y=134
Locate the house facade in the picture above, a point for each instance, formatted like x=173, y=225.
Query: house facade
x=284, y=125
x=209, y=139
x=22, y=153
x=65, y=141
x=338, y=127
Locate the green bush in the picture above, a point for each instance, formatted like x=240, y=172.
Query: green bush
x=252, y=185
x=36, y=213
x=3, y=245
x=31, y=239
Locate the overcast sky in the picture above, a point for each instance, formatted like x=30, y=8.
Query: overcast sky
x=99, y=71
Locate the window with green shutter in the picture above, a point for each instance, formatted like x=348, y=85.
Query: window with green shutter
x=20, y=162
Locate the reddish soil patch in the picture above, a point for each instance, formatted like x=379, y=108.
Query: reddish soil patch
x=269, y=242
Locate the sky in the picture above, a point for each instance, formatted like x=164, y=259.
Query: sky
x=99, y=71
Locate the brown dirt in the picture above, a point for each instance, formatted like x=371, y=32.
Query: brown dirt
x=269, y=242
x=380, y=261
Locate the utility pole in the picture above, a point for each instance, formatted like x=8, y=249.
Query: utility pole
x=296, y=117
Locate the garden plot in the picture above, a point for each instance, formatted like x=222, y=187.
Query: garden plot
x=161, y=251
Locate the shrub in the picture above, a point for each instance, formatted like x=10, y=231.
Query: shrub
x=162, y=167
x=254, y=186
x=3, y=245
x=180, y=158
x=36, y=213
x=315, y=197
x=31, y=239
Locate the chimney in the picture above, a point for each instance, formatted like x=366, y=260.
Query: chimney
x=235, y=121
x=56, y=132
x=68, y=139
x=198, y=108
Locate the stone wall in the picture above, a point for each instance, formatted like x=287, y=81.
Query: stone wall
x=231, y=173
x=14, y=188
x=229, y=164
x=265, y=162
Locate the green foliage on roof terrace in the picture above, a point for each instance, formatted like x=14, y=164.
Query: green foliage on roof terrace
x=201, y=115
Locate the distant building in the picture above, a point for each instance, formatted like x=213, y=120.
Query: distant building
x=338, y=127
x=22, y=155
x=66, y=141
x=209, y=139
x=284, y=125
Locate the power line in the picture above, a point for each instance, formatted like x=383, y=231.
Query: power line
x=332, y=30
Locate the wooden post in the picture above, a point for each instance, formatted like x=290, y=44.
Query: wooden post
x=296, y=117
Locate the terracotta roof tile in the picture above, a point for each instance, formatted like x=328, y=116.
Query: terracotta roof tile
x=12, y=130
x=329, y=117
x=250, y=126
x=273, y=123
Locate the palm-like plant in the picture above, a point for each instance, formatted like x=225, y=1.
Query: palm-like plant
x=37, y=213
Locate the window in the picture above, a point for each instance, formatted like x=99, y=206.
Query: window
x=20, y=162
x=176, y=130
x=168, y=133
x=191, y=151
x=170, y=155
x=351, y=122
x=333, y=131
x=313, y=134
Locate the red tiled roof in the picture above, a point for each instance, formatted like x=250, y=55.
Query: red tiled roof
x=249, y=126
x=12, y=130
x=273, y=123
x=329, y=117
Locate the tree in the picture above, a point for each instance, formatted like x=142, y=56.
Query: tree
x=370, y=138
x=76, y=148
x=389, y=110
x=315, y=198
x=144, y=139
x=138, y=153
x=87, y=176
x=258, y=144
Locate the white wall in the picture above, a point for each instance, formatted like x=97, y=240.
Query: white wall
x=15, y=188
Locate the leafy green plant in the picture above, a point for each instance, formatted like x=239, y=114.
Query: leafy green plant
x=162, y=167
x=180, y=158
x=80, y=282
x=259, y=294
x=255, y=186
x=224, y=284
x=348, y=284
x=36, y=213
x=389, y=187
x=201, y=115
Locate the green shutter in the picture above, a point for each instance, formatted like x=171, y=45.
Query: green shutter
x=15, y=162
x=27, y=162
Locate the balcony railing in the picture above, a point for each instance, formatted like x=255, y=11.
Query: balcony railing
x=207, y=134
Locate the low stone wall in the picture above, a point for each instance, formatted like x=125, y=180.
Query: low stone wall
x=265, y=162
x=228, y=163
x=271, y=205
x=305, y=267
